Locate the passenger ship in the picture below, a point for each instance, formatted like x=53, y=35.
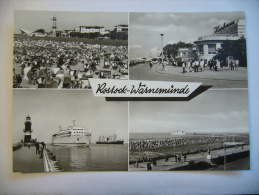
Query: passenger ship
x=73, y=135
x=178, y=133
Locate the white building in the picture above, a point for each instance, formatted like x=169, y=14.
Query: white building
x=92, y=29
x=121, y=28
x=184, y=54
x=207, y=46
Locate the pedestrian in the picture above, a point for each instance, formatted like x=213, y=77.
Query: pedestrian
x=183, y=65
x=236, y=64
x=43, y=145
x=37, y=144
x=150, y=64
x=185, y=158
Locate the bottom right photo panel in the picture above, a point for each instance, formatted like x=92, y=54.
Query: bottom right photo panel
x=209, y=132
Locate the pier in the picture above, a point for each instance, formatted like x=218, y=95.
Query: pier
x=197, y=161
x=25, y=160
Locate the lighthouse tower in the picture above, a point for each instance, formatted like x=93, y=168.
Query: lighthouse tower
x=27, y=130
x=54, y=26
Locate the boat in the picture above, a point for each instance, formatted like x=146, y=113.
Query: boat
x=109, y=140
x=178, y=133
x=73, y=135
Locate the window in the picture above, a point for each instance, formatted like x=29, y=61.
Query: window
x=200, y=50
x=212, y=49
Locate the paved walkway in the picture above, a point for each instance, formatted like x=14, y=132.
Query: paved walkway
x=199, y=157
x=217, y=79
x=26, y=160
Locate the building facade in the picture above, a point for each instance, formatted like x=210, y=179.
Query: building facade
x=92, y=29
x=207, y=46
x=184, y=54
x=121, y=28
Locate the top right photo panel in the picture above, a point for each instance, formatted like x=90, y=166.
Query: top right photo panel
x=209, y=48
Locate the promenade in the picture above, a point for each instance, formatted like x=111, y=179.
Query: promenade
x=26, y=160
x=162, y=165
x=216, y=79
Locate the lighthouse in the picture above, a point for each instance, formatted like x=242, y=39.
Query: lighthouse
x=27, y=130
x=54, y=26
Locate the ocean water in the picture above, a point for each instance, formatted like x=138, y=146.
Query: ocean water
x=158, y=135
x=94, y=158
x=133, y=136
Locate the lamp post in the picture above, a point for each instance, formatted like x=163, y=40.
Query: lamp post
x=225, y=158
x=162, y=47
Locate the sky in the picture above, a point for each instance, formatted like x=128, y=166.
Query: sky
x=50, y=109
x=215, y=111
x=145, y=29
x=34, y=20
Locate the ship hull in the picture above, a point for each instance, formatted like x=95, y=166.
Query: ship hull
x=71, y=140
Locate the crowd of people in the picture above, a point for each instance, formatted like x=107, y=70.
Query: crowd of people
x=57, y=64
x=213, y=64
x=169, y=142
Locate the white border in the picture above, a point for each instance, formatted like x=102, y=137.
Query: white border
x=238, y=182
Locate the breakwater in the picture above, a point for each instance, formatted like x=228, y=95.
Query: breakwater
x=169, y=142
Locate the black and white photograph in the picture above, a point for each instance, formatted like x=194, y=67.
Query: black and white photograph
x=62, y=50
x=210, y=132
x=207, y=47
x=129, y=97
x=68, y=131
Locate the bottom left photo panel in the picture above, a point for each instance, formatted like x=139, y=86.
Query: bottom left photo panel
x=68, y=131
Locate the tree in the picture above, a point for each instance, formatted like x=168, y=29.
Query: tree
x=237, y=49
x=171, y=49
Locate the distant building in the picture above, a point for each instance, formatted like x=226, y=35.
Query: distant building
x=77, y=29
x=184, y=54
x=66, y=33
x=92, y=29
x=37, y=33
x=207, y=46
x=121, y=28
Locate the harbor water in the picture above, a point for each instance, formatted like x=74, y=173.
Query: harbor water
x=104, y=157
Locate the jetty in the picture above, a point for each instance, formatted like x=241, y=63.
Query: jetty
x=196, y=161
x=25, y=160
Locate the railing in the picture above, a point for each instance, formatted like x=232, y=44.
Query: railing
x=47, y=163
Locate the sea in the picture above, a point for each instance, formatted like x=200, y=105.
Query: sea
x=97, y=157
x=136, y=136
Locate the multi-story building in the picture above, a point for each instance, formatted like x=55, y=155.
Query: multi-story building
x=207, y=46
x=121, y=28
x=92, y=29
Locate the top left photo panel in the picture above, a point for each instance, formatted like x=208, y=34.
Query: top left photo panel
x=62, y=50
